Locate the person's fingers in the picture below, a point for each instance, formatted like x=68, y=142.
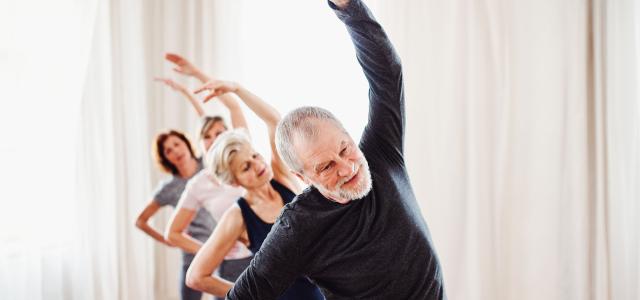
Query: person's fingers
x=179, y=70
x=209, y=97
x=202, y=88
x=173, y=57
x=211, y=85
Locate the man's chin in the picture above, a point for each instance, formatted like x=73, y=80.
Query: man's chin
x=340, y=196
x=362, y=190
x=344, y=195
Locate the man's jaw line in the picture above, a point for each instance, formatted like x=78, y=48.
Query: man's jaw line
x=329, y=195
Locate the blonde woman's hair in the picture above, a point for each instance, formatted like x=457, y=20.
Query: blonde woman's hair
x=218, y=158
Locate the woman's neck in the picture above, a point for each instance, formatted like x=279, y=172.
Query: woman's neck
x=189, y=168
x=266, y=192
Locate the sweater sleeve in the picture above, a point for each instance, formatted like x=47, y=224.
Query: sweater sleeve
x=382, y=68
x=273, y=268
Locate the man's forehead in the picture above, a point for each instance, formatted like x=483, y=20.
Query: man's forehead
x=314, y=150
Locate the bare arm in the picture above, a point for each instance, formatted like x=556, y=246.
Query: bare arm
x=185, y=92
x=176, y=234
x=237, y=116
x=185, y=67
x=142, y=222
x=265, y=111
x=227, y=232
x=271, y=117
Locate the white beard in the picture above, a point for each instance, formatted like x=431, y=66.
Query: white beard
x=359, y=191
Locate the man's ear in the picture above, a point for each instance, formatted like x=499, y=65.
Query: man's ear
x=303, y=178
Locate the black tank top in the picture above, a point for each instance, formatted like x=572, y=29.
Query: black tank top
x=257, y=229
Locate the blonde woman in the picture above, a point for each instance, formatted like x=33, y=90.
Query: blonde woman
x=269, y=186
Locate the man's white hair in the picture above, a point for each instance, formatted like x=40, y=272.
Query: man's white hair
x=299, y=124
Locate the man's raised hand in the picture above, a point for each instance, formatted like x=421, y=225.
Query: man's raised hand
x=340, y=3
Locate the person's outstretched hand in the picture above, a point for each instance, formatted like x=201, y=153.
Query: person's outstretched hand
x=182, y=65
x=217, y=88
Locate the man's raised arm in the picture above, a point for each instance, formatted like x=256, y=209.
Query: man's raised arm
x=381, y=66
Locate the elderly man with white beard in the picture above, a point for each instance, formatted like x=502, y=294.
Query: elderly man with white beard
x=357, y=232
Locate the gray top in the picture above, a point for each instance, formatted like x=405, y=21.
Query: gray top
x=377, y=247
x=168, y=193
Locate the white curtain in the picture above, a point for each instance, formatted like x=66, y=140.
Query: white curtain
x=523, y=142
x=44, y=47
x=523, y=133
x=113, y=174
x=617, y=108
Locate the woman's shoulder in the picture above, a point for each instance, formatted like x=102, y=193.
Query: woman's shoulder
x=168, y=191
x=167, y=183
x=199, y=179
x=232, y=216
x=204, y=179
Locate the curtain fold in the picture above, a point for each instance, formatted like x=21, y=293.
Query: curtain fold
x=619, y=100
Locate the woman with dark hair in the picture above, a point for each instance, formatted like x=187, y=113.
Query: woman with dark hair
x=174, y=155
x=165, y=152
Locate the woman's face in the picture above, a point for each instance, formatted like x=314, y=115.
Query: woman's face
x=211, y=134
x=249, y=168
x=176, y=150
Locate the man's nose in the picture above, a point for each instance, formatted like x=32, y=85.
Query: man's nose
x=345, y=168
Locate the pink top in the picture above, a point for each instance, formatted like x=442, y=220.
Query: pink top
x=204, y=191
